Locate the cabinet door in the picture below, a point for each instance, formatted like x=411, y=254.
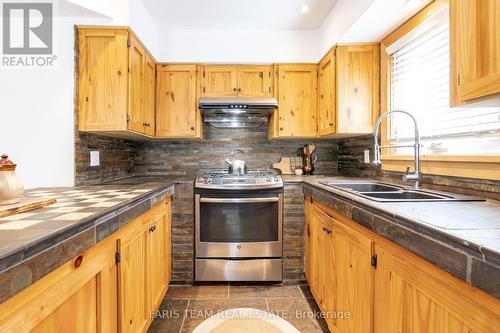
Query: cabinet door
x=354, y=278
x=325, y=263
x=79, y=296
x=297, y=100
x=254, y=81
x=132, y=277
x=220, y=81
x=136, y=96
x=158, y=256
x=312, y=251
x=307, y=241
x=326, y=95
x=149, y=96
x=176, y=111
x=412, y=298
x=357, y=88
x=102, y=79
x=475, y=48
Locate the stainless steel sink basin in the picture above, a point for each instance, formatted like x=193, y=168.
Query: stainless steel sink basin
x=383, y=192
x=366, y=187
x=406, y=195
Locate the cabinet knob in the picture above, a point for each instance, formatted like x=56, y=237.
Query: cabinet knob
x=234, y=89
x=192, y=128
x=119, y=72
x=78, y=261
x=330, y=124
x=152, y=228
x=239, y=89
x=281, y=128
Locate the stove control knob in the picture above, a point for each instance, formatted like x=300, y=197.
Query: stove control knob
x=209, y=181
x=276, y=179
x=268, y=179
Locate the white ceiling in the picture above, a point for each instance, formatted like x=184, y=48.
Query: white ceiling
x=238, y=14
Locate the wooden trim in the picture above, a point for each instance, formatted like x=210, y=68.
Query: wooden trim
x=447, y=158
x=430, y=10
x=476, y=167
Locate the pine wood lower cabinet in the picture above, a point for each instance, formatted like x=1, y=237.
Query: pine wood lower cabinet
x=143, y=269
x=383, y=287
x=413, y=297
x=91, y=293
x=340, y=273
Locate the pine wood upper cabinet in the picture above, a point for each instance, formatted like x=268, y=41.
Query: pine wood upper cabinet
x=357, y=86
x=137, y=64
x=115, y=82
x=474, y=49
x=327, y=92
x=220, y=81
x=102, y=79
x=254, y=81
x=243, y=81
x=297, y=98
x=177, y=113
x=149, y=96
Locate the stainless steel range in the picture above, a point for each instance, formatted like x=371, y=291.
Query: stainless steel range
x=238, y=226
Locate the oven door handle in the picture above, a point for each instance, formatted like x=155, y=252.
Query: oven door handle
x=239, y=200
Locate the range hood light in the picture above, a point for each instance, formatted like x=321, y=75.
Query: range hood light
x=236, y=111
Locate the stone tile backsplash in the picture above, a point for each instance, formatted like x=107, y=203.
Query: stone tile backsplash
x=117, y=158
x=351, y=163
x=187, y=158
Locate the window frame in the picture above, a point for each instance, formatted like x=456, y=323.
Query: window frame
x=468, y=166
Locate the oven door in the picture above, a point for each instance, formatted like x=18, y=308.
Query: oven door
x=247, y=226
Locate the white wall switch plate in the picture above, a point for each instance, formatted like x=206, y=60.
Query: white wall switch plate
x=94, y=158
x=367, y=156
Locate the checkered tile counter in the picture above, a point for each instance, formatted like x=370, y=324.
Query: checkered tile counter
x=34, y=243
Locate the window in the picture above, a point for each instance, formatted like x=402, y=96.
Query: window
x=419, y=83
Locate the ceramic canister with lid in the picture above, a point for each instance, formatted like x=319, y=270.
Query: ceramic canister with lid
x=11, y=187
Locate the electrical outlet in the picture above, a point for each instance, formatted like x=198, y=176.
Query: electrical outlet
x=94, y=158
x=367, y=156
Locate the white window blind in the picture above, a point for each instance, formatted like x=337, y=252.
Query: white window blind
x=420, y=84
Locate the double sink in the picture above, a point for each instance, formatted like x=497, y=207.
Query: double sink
x=383, y=192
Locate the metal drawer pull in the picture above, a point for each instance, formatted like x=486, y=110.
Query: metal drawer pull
x=239, y=200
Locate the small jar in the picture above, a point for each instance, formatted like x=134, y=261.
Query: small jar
x=11, y=188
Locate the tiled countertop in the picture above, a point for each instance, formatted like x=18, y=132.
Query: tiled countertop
x=461, y=237
x=34, y=243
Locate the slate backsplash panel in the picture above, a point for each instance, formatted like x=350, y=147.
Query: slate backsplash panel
x=350, y=163
x=117, y=158
x=188, y=158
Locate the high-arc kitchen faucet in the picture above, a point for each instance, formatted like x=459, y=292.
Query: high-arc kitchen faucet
x=414, y=177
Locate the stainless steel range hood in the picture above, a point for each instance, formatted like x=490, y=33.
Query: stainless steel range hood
x=237, y=112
